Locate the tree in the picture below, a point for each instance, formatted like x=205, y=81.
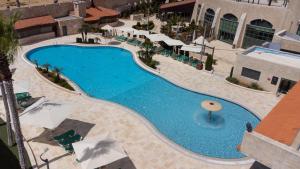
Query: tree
x=8, y=47
x=209, y=62
x=85, y=28
x=57, y=71
x=47, y=66
x=18, y=3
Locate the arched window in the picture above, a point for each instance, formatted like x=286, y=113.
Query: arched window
x=209, y=16
x=262, y=23
x=230, y=17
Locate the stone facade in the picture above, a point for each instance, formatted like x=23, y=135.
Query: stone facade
x=280, y=17
x=36, y=38
x=68, y=25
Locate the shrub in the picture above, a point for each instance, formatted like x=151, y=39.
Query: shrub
x=233, y=80
x=209, y=63
x=255, y=86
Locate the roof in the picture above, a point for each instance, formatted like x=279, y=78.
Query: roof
x=95, y=14
x=191, y=48
x=157, y=37
x=32, y=22
x=283, y=122
x=174, y=4
x=173, y=42
x=274, y=56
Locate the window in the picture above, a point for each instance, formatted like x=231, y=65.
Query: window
x=298, y=30
x=252, y=74
x=274, y=80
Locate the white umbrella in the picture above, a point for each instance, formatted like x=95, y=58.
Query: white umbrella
x=127, y=29
x=107, y=27
x=157, y=37
x=173, y=42
x=98, y=152
x=47, y=114
x=191, y=48
x=141, y=32
x=200, y=40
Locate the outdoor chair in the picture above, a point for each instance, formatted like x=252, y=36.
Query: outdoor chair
x=70, y=140
x=91, y=40
x=78, y=40
x=21, y=97
x=65, y=135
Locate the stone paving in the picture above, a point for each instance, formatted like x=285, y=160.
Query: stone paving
x=145, y=147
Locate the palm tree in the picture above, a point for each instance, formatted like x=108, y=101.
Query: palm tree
x=8, y=47
x=57, y=71
x=18, y=3
x=8, y=121
x=46, y=66
x=85, y=28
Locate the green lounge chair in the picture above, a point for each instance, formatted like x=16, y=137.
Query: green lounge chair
x=65, y=135
x=21, y=97
x=70, y=140
x=69, y=148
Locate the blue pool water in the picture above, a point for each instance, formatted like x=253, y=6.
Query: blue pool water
x=111, y=74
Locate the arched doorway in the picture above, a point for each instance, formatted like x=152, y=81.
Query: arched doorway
x=228, y=27
x=258, y=32
x=208, y=20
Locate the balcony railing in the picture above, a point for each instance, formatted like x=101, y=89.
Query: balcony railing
x=279, y=3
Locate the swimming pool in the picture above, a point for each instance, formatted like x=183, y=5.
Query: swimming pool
x=111, y=74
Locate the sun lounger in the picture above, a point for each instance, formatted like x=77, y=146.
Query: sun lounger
x=70, y=140
x=65, y=135
x=23, y=97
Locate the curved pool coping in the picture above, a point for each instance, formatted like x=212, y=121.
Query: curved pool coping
x=147, y=123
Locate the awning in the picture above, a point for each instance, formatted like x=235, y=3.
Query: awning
x=47, y=114
x=157, y=37
x=127, y=29
x=97, y=152
x=173, y=42
x=191, y=48
x=141, y=32
x=107, y=27
x=199, y=41
x=32, y=22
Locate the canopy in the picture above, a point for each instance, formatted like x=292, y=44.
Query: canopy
x=199, y=41
x=46, y=114
x=173, y=42
x=211, y=105
x=107, y=27
x=157, y=37
x=141, y=32
x=191, y=48
x=98, y=152
x=127, y=29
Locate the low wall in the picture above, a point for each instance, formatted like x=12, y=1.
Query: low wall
x=269, y=152
x=36, y=38
x=287, y=43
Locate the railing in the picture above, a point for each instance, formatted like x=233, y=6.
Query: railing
x=279, y=3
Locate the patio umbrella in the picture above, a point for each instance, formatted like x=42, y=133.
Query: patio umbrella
x=47, y=114
x=200, y=40
x=211, y=106
x=97, y=152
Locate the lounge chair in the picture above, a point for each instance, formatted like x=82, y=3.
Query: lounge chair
x=65, y=135
x=23, y=97
x=70, y=140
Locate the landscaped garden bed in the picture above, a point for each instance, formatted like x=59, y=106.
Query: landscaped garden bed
x=54, y=76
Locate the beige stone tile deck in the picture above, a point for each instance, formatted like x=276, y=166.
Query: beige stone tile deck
x=145, y=148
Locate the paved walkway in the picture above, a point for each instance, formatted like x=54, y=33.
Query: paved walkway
x=146, y=148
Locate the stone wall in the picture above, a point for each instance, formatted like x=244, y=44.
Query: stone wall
x=269, y=152
x=73, y=25
x=36, y=38
x=55, y=10
x=280, y=17
x=286, y=43
x=113, y=3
